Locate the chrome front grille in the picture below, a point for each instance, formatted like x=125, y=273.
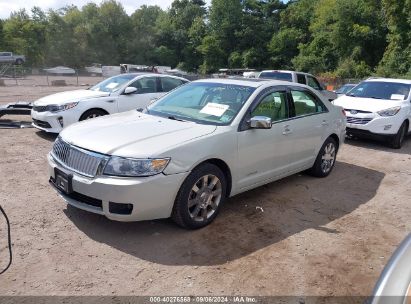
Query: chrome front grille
x=358, y=120
x=78, y=160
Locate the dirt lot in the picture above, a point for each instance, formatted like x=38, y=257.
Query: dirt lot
x=314, y=236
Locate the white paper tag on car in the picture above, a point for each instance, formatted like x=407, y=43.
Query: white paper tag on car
x=214, y=109
x=112, y=85
x=397, y=97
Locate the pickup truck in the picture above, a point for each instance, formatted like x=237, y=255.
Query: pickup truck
x=298, y=77
x=8, y=57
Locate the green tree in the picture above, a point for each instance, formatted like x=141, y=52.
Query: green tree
x=397, y=57
x=294, y=30
x=346, y=36
x=142, y=40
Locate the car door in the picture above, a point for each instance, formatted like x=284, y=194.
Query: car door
x=307, y=128
x=147, y=90
x=263, y=154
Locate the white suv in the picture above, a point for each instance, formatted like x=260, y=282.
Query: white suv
x=379, y=108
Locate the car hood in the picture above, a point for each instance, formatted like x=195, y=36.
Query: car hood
x=132, y=134
x=69, y=96
x=365, y=104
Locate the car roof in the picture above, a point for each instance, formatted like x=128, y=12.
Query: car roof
x=286, y=71
x=377, y=79
x=138, y=74
x=250, y=82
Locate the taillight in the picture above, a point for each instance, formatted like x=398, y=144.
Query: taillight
x=343, y=111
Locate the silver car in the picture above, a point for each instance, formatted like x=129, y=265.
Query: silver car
x=394, y=284
x=193, y=148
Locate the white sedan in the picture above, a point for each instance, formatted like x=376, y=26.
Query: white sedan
x=116, y=94
x=193, y=148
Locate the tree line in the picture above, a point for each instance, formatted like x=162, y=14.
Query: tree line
x=343, y=38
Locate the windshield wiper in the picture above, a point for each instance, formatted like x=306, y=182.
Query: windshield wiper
x=375, y=97
x=175, y=118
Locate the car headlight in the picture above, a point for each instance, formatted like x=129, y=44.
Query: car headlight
x=119, y=166
x=389, y=112
x=64, y=107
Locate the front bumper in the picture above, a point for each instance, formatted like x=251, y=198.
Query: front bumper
x=150, y=197
x=50, y=122
x=47, y=121
x=378, y=126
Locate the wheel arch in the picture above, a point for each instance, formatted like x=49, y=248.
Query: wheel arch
x=94, y=108
x=222, y=165
x=407, y=121
x=336, y=138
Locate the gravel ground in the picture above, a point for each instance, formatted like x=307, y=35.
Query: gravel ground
x=297, y=236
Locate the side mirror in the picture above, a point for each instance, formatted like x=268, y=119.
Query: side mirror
x=130, y=90
x=260, y=122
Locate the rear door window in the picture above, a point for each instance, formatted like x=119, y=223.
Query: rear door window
x=312, y=82
x=306, y=103
x=301, y=78
x=169, y=83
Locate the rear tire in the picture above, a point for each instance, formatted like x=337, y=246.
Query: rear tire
x=325, y=160
x=19, y=61
x=93, y=113
x=199, y=199
x=398, y=139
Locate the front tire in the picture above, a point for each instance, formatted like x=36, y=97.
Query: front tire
x=200, y=197
x=398, y=139
x=93, y=113
x=325, y=160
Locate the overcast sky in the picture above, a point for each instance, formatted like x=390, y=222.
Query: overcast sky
x=8, y=6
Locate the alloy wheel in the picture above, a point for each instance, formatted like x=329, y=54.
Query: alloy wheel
x=93, y=115
x=204, y=198
x=328, y=158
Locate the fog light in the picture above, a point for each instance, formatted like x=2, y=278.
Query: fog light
x=387, y=127
x=60, y=120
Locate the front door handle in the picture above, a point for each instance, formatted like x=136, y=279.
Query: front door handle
x=287, y=130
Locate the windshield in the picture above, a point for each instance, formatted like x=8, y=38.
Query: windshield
x=277, y=76
x=112, y=84
x=381, y=90
x=345, y=89
x=207, y=103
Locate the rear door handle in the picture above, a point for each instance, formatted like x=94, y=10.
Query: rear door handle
x=287, y=130
x=325, y=123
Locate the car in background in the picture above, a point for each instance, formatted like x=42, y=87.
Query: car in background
x=298, y=77
x=9, y=57
x=394, y=284
x=116, y=94
x=345, y=89
x=379, y=108
x=193, y=148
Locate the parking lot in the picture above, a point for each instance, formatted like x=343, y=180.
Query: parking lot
x=297, y=236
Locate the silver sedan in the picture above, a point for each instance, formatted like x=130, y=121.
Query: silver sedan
x=195, y=147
